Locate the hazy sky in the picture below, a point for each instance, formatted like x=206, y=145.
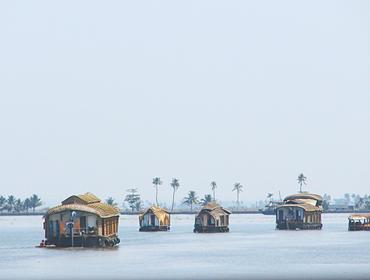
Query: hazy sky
x=102, y=96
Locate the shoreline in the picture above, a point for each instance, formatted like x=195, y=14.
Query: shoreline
x=188, y=212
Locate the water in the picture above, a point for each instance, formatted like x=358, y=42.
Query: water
x=252, y=249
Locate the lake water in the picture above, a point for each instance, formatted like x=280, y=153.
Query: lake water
x=252, y=249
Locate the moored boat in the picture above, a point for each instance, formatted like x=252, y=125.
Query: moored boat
x=212, y=218
x=357, y=222
x=82, y=221
x=300, y=211
x=155, y=219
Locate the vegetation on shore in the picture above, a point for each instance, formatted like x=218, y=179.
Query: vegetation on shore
x=175, y=186
x=133, y=200
x=11, y=204
x=191, y=199
x=302, y=180
x=238, y=188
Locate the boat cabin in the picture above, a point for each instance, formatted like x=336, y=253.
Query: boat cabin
x=154, y=219
x=212, y=218
x=82, y=221
x=359, y=222
x=300, y=211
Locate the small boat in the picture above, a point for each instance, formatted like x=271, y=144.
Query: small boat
x=154, y=219
x=212, y=218
x=357, y=222
x=46, y=246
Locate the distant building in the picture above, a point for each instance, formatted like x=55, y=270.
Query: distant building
x=341, y=204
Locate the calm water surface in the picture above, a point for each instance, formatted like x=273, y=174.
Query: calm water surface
x=252, y=249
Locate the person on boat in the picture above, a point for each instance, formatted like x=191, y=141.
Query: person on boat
x=42, y=243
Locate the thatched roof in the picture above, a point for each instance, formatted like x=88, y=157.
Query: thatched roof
x=214, y=209
x=86, y=198
x=304, y=206
x=304, y=196
x=86, y=203
x=359, y=216
x=159, y=212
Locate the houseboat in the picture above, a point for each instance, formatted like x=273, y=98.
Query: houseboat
x=154, y=219
x=359, y=222
x=212, y=218
x=300, y=211
x=82, y=221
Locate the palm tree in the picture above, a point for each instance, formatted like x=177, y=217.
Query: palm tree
x=301, y=180
x=35, y=202
x=191, y=199
x=10, y=203
x=207, y=198
x=27, y=204
x=110, y=201
x=18, y=205
x=214, y=186
x=156, y=182
x=269, y=195
x=175, y=186
x=238, y=188
x=2, y=203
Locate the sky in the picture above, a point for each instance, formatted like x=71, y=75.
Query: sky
x=102, y=96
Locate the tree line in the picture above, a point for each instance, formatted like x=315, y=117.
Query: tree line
x=192, y=199
x=11, y=204
x=135, y=202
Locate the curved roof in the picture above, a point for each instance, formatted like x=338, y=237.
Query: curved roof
x=159, y=212
x=89, y=198
x=304, y=206
x=87, y=202
x=359, y=216
x=86, y=198
x=102, y=210
x=214, y=209
x=304, y=196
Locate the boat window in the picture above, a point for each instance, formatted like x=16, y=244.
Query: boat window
x=211, y=220
x=152, y=220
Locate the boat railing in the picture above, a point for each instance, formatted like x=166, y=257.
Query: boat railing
x=82, y=231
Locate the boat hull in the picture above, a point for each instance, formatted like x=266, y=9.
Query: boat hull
x=205, y=229
x=298, y=225
x=85, y=241
x=358, y=227
x=155, y=228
